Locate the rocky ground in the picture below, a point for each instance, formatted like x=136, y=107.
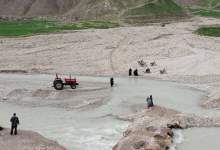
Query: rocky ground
x=153, y=128
x=26, y=140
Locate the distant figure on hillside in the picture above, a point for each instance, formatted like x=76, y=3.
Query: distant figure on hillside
x=130, y=72
x=150, y=101
x=135, y=72
x=112, y=81
x=14, y=123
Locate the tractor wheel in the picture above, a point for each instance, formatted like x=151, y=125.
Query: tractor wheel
x=73, y=86
x=58, y=85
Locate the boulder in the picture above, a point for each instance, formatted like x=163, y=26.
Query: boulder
x=175, y=125
x=139, y=144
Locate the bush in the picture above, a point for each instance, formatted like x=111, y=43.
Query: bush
x=209, y=31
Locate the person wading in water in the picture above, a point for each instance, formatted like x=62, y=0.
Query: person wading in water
x=130, y=72
x=112, y=81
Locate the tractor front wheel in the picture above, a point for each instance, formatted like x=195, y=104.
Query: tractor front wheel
x=58, y=85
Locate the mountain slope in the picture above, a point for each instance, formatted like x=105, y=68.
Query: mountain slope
x=92, y=9
x=29, y=8
x=155, y=10
x=208, y=8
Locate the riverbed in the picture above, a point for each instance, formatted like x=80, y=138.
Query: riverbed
x=101, y=127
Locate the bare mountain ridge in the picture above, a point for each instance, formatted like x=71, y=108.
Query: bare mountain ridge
x=32, y=8
x=77, y=9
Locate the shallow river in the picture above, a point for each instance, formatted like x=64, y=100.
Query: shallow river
x=97, y=129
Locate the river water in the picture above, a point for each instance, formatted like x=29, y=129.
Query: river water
x=200, y=139
x=97, y=129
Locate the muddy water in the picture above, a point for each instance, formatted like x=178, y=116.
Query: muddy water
x=98, y=128
x=200, y=139
x=76, y=131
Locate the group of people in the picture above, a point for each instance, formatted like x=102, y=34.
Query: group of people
x=135, y=72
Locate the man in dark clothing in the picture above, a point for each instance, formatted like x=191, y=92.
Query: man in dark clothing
x=112, y=81
x=130, y=72
x=14, y=123
x=135, y=72
x=150, y=102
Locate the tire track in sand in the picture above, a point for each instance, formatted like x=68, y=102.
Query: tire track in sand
x=111, y=55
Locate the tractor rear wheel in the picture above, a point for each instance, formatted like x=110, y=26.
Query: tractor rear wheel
x=58, y=85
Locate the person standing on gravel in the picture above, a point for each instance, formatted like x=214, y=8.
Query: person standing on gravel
x=14, y=123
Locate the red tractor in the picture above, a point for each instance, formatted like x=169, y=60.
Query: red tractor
x=59, y=83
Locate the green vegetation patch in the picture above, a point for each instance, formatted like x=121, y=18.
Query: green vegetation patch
x=31, y=27
x=205, y=12
x=89, y=25
x=206, y=8
x=209, y=3
x=209, y=31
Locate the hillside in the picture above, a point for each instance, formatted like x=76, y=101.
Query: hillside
x=129, y=11
x=207, y=8
x=186, y=2
x=154, y=11
x=72, y=10
x=30, y=8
